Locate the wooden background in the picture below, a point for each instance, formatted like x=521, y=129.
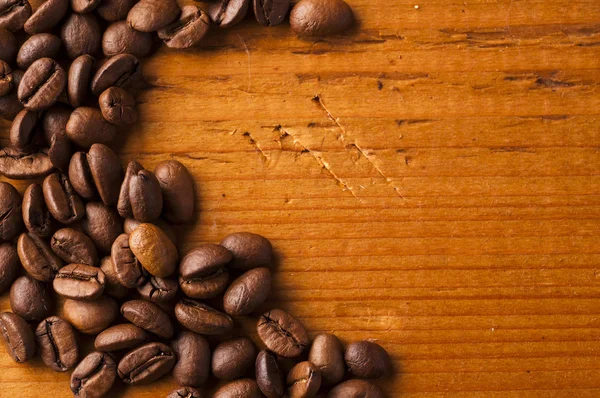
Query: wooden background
x=430, y=180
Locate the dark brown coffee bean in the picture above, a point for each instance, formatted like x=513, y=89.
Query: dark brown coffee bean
x=41, y=45
x=6, y=78
x=131, y=224
x=94, y=376
x=247, y=292
x=249, y=250
x=227, y=13
x=118, y=107
x=320, y=17
x=202, y=318
x=84, y=6
x=24, y=131
x=79, y=282
x=113, y=287
x=356, y=389
x=13, y=14
x=19, y=166
x=42, y=84
x=193, y=359
x=107, y=173
x=304, y=380
x=146, y=364
x=37, y=257
x=120, y=38
x=145, y=196
x=242, y=388
x=154, y=250
x=57, y=343
x=9, y=265
x=271, y=12
x=91, y=317
x=74, y=247
x=36, y=215
x=29, y=299
x=119, y=71
x=54, y=121
x=185, y=392
x=148, y=316
x=128, y=269
x=282, y=333
x=102, y=224
x=233, y=359
x=152, y=15
x=269, y=375
x=80, y=176
x=158, y=290
x=87, y=126
x=17, y=336
x=124, y=204
x=10, y=104
x=63, y=202
x=81, y=34
x=11, y=223
x=367, y=360
x=120, y=337
x=202, y=272
x=8, y=46
x=327, y=354
x=80, y=76
x=187, y=31
x=178, y=191
x=47, y=16
x=114, y=10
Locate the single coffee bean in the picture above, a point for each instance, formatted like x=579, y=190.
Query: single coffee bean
x=185, y=392
x=47, y=16
x=79, y=282
x=114, y=10
x=282, y=333
x=158, y=290
x=42, y=84
x=242, y=388
x=193, y=359
x=152, y=15
x=202, y=272
x=146, y=364
x=178, y=191
x=320, y=17
x=80, y=76
x=187, y=31
x=10, y=104
x=233, y=359
x=74, y=247
x=118, y=107
x=58, y=344
x=80, y=176
x=86, y=127
x=37, y=257
x=84, y=6
x=24, y=131
x=6, y=78
x=9, y=265
x=91, y=317
x=304, y=380
x=17, y=336
x=227, y=13
x=19, y=166
x=29, y=299
x=60, y=152
x=13, y=14
x=94, y=376
x=107, y=173
x=247, y=292
x=271, y=12
x=327, y=354
x=11, y=223
x=119, y=71
x=367, y=360
x=202, y=318
x=269, y=375
x=120, y=38
x=81, y=34
x=145, y=196
x=124, y=203
x=128, y=269
x=131, y=224
x=120, y=337
x=148, y=316
x=154, y=250
x=63, y=202
x=41, y=45
x=356, y=389
x=249, y=250
x=54, y=121
x=113, y=287
x=8, y=46
x=102, y=224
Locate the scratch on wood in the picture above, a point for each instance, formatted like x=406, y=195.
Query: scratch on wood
x=249, y=60
x=550, y=83
x=318, y=100
x=255, y=143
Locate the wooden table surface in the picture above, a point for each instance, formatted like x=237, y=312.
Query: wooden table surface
x=430, y=180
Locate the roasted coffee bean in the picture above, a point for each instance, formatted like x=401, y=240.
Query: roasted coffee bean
x=154, y=250
x=119, y=71
x=10, y=104
x=320, y=17
x=271, y=12
x=145, y=196
x=227, y=13
x=152, y=15
x=148, y=316
x=81, y=34
x=202, y=272
x=185, y=392
x=84, y=6
x=269, y=375
x=367, y=360
x=187, y=31
x=124, y=203
x=118, y=107
x=6, y=78
x=11, y=223
x=47, y=16
x=19, y=166
x=80, y=176
x=36, y=215
x=146, y=364
x=79, y=282
x=41, y=45
x=282, y=333
x=247, y=292
x=80, y=76
x=29, y=299
x=57, y=343
x=249, y=250
x=63, y=202
x=9, y=265
x=107, y=173
x=17, y=336
x=94, y=376
x=24, y=131
x=131, y=224
x=120, y=337
x=60, y=152
x=8, y=46
x=128, y=269
x=242, y=388
x=193, y=359
x=37, y=257
x=178, y=191
x=102, y=224
x=233, y=359
x=91, y=317
x=202, y=318
x=74, y=247
x=158, y=290
x=120, y=38
x=13, y=14
x=356, y=389
x=54, y=121
x=327, y=354
x=86, y=127
x=42, y=84
x=114, y=10
x=113, y=287
x=304, y=380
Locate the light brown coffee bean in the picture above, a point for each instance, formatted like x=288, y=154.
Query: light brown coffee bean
x=304, y=380
x=79, y=282
x=154, y=250
x=120, y=337
x=91, y=317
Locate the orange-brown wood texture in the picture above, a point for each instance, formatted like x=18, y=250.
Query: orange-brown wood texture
x=430, y=179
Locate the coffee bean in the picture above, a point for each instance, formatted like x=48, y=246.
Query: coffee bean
x=74, y=247
x=131, y=224
x=19, y=166
x=94, y=376
x=113, y=287
x=249, y=250
x=185, y=392
x=24, y=131
x=54, y=124
x=120, y=38
x=128, y=269
x=120, y=337
x=17, y=336
x=84, y=6
x=146, y=364
x=118, y=106
x=227, y=13
x=6, y=78
x=63, y=202
x=10, y=104
x=320, y=17
x=269, y=375
x=81, y=34
x=102, y=224
x=178, y=191
x=120, y=71
x=356, y=389
x=80, y=76
x=41, y=45
x=47, y=16
x=114, y=10
x=193, y=359
x=271, y=12
x=367, y=360
x=158, y=290
x=9, y=265
x=148, y=316
x=247, y=292
x=91, y=317
x=13, y=14
x=233, y=359
x=29, y=299
x=154, y=250
x=37, y=257
x=106, y=170
x=187, y=31
x=57, y=343
x=152, y=15
x=86, y=127
x=145, y=196
x=327, y=354
x=80, y=176
x=124, y=204
x=42, y=84
x=202, y=318
x=11, y=223
x=202, y=272
x=79, y=282
x=8, y=46
x=304, y=380
x=282, y=333
x=242, y=388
